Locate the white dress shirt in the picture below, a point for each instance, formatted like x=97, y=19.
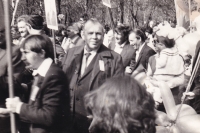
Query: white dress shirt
x=118, y=48
x=138, y=52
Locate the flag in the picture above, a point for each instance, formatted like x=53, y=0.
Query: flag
x=51, y=14
x=182, y=13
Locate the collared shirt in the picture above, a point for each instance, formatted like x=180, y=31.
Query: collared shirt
x=43, y=68
x=84, y=65
x=118, y=48
x=138, y=52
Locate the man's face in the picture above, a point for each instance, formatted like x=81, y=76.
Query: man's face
x=30, y=58
x=93, y=35
x=22, y=27
x=134, y=40
x=119, y=38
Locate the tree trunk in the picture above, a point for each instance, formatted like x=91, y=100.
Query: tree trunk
x=121, y=11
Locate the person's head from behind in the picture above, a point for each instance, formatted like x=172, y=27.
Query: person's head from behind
x=35, y=23
x=136, y=38
x=93, y=34
x=35, y=49
x=121, y=34
x=22, y=25
x=121, y=105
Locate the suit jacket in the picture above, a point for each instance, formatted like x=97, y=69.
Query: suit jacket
x=72, y=65
x=45, y=113
x=144, y=55
x=128, y=53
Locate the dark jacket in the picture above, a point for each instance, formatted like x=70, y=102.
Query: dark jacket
x=47, y=112
x=128, y=53
x=71, y=65
x=144, y=55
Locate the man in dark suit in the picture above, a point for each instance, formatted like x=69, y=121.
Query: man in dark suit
x=143, y=56
x=49, y=97
x=137, y=38
x=122, y=46
x=86, y=73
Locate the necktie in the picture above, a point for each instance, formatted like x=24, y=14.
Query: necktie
x=84, y=65
x=86, y=59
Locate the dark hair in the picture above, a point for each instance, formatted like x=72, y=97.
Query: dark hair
x=121, y=105
x=139, y=33
x=85, y=16
x=123, y=29
x=37, y=43
x=169, y=43
x=107, y=28
x=36, y=22
x=149, y=30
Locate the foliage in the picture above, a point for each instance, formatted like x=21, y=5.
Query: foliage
x=131, y=12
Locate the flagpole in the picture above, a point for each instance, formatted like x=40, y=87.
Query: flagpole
x=9, y=60
x=14, y=13
x=189, y=3
x=54, y=46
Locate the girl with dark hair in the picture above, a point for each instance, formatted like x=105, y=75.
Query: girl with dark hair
x=167, y=65
x=121, y=105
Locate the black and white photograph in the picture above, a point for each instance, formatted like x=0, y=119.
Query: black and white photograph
x=99, y=66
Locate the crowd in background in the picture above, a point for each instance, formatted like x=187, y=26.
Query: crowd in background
x=99, y=79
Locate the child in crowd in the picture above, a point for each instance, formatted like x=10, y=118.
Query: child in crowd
x=168, y=66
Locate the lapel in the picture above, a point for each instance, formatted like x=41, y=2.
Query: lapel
x=140, y=55
x=78, y=61
x=102, y=54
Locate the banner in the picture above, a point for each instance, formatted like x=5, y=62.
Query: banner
x=51, y=14
x=110, y=3
x=182, y=14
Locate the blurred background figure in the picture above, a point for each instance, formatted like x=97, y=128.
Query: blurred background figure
x=109, y=38
x=121, y=105
x=121, y=44
x=15, y=34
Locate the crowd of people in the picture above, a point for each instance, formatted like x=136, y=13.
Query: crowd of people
x=94, y=78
